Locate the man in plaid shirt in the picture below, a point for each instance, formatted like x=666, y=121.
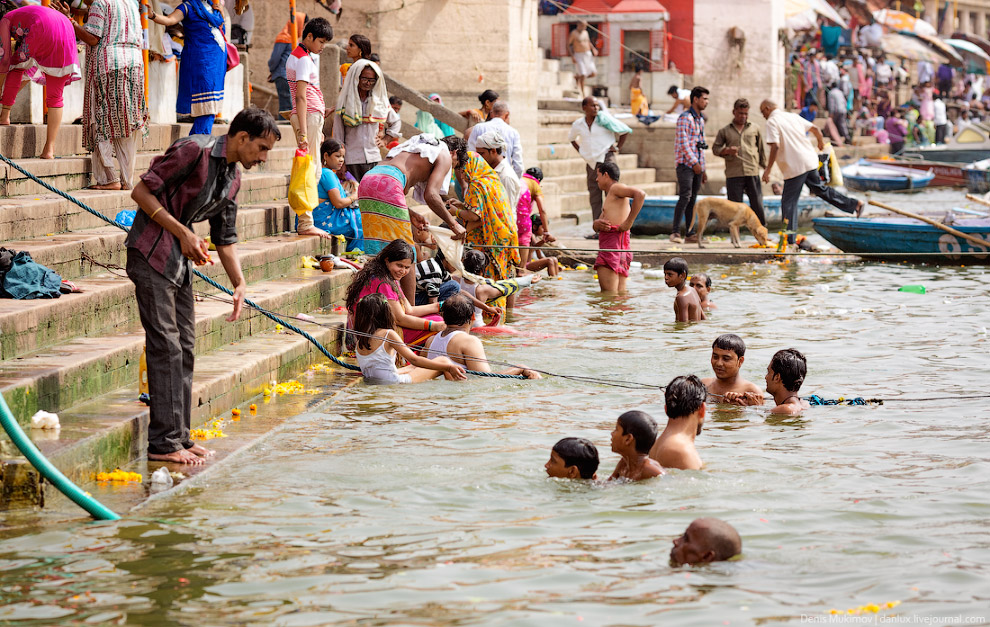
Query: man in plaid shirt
x=689, y=155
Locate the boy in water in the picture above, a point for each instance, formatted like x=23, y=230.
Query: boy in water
x=634, y=435
x=456, y=342
x=785, y=374
x=684, y=403
x=540, y=238
x=706, y=540
x=573, y=458
x=687, y=303
x=728, y=352
x=613, y=227
x=702, y=284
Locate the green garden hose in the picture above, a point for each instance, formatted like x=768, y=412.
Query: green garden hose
x=47, y=470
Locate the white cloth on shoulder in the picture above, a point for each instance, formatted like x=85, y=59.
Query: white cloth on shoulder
x=428, y=147
x=349, y=104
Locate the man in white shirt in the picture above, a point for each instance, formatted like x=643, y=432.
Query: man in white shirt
x=798, y=161
x=941, y=121
x=883, y=73
x=490, y=147
x=500, y=122
x=596, y=144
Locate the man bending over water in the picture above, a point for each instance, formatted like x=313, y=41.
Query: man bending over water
x=728, y=352
x=785, y=374
x=457, y=343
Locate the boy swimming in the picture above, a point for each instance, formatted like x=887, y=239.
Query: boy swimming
x=728, y=352
x=487, y=291
x=540, y=238
x=613, y=227
x=573, y=458
x=633, y=436
x=684, y=403
x=687, y=303
x=702, y=284
x=785, y=374
x=706, y=540
x=456, y=342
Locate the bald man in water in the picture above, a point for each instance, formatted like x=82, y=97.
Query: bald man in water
x=706, y=540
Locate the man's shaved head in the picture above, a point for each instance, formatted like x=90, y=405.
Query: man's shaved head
x=706, y=540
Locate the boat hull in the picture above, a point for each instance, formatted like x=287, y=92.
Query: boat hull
x=889, y=236
x=657, y=215
x=946, y=175
x=947, y=155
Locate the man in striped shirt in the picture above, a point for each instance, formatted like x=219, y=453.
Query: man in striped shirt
x=689, y=155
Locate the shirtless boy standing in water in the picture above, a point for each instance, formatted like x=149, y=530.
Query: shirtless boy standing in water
x=727, y=358
x=687, y=303
x=613, y=227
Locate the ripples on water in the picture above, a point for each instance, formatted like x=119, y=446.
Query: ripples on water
x=429, y=504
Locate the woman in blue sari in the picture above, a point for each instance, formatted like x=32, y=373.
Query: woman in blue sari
x=204, y=61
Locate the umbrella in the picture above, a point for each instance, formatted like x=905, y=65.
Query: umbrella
x=976, y=59
x=901, y=21
x=900, y=45
x=802, y=14
x=974, y=39
x=944, y=49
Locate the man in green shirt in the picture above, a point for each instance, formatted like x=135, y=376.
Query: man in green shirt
x=740, y=143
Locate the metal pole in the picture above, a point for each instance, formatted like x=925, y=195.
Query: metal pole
x=292, y=24
x=147, y=46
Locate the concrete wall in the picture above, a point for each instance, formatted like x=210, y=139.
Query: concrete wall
x=457, y=48
x=755, y=73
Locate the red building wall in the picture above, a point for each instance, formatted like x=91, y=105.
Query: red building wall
x=681, y=29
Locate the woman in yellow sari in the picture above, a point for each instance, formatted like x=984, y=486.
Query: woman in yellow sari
x=488, y=217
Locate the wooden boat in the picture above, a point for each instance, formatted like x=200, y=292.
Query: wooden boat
x=865, y=176
x=657, y=215
x=978, y=176
x=946, y=174
x=971, y=143
x=866, y=237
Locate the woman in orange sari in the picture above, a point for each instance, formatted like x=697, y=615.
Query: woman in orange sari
x=489, y=219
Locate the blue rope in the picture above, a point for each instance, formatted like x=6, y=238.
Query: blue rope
x=265, y=312
x=814, y=399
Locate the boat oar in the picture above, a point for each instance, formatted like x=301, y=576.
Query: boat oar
x=972, y=239
x=979, y=199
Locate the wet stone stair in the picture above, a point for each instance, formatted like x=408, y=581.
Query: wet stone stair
x=79, y=355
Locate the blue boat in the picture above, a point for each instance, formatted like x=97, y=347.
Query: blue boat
x=657, y=215
x=866, y=237
x=873, y=177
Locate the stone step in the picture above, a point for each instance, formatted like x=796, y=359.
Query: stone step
x=83, y=368
x=63, y=252
x=560, y=105
x=578, y=182
x=576, y=165
x=557, y=117
x=107, y=300
x=549, y=152
x=553, y=135
x=74, y=173
x=111, y=430
x=575, y=203
x=25, y=141
x=549, y=66
x=27, y=217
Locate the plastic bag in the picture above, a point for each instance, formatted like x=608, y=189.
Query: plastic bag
x=302, y=184
x=835, y=170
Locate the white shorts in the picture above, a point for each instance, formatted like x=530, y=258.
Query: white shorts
x=584, y=64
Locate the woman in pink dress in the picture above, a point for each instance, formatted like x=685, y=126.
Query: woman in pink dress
x=44, y=46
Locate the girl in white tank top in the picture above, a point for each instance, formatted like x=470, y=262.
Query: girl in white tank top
x=378, y=344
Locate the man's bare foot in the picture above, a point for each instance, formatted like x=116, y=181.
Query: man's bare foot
x=50, y=154
x=202, y=451
x=107, y=186
x=314, y=231
x=178, y=457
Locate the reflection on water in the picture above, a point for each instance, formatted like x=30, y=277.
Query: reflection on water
x=429, y=505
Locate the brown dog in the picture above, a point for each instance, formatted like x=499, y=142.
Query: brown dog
x=733, y=214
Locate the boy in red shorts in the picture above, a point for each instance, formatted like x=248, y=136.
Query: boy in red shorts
x=613, y=227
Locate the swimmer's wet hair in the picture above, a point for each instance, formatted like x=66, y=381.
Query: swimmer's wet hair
x=578, y=452
x=608, y=167
x=676, y=264
x=642, y=427
x=457, y=310
x=372, y=313
x=684, y=396
x=474, y=261
x=730, y=342
x=792, y=367
x=458, y=148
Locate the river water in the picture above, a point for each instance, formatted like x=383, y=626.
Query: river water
x=429, y=504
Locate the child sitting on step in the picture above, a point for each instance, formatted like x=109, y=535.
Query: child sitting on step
x=337, y=213
x=378, y=344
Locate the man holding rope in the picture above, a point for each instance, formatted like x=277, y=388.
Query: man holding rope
x=197, y=179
